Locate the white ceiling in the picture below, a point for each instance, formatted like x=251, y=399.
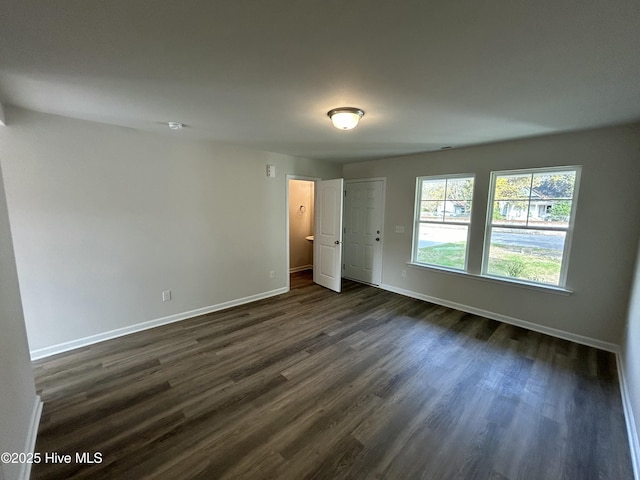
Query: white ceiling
x=263, y=73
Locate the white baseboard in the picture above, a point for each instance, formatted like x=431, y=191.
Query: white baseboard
x=632, y=432
x=32, y=435
x=554, y=332
x=300, y=269
x=119, y=332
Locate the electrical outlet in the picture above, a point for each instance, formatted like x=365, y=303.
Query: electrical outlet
x=166, y=295
x=404, y=273
x=272, y=274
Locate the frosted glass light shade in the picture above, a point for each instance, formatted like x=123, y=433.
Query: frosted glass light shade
x=345, y=118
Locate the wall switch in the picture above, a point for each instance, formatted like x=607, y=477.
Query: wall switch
x=404, y=273
x=272, y=274
x=271, y=171
x=399, y=228
x=166, y=295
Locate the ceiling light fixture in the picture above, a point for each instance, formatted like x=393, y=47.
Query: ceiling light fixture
x=175, y=125
x=345, y=118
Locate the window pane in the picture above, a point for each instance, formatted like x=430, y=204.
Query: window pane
x=530, y=255
x=551, y=198
x=550, y=213
x=457, y=206
x=443, y=245
x=554, y=185
x=431, y=211
x=510, y=212
x=457, y=211
x=433, y=189
x=460, y=189
x=512, y=187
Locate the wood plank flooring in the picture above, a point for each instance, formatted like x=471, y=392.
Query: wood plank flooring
x=365, y=384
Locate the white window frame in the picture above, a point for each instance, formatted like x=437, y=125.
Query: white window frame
x=562, y=281
x=417, y=221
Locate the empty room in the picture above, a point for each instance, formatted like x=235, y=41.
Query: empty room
x=319, y=240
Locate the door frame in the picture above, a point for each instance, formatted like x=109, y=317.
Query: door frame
x=384, y=204
x=287, y=178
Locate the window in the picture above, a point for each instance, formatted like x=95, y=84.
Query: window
x=530, y=218
x=442, y=217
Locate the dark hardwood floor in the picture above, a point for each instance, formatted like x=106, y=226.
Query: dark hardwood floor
x=365, y=384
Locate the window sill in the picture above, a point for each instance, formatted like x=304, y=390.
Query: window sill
x=498, y=280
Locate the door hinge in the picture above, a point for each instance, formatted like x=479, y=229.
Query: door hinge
x=345, y=193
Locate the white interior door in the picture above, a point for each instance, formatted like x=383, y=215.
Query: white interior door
x=364, y=205
x=327, y=234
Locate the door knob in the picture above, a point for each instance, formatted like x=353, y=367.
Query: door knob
x=337, y=242
x=377, y=239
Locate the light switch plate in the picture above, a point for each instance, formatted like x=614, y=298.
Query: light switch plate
x=271, y=170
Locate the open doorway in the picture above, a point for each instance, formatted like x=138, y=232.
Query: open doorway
x=314, y=229
x=301, y=209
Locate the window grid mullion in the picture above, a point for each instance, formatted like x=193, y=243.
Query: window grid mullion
x=529, y=200
x=532, y=227
x=445, y=222
x=444, y=200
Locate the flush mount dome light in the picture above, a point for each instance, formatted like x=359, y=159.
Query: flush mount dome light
x=175, y=125
x=345, y=118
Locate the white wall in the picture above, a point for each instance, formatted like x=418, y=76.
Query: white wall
x=300, y=223
x=106, y=218
x=605, y=240
x=18, y=398
x=631, y=365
